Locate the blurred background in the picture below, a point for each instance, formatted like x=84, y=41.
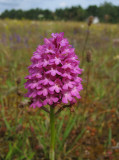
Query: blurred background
x=87, y=131
x=67, y=10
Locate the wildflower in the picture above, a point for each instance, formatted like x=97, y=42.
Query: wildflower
x=90, y=20
x=53, y=75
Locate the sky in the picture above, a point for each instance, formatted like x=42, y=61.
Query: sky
x=49, y=4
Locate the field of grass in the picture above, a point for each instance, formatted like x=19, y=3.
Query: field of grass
x=89, y=131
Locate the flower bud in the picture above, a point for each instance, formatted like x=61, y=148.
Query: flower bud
x=89, y=56
x=90, y=20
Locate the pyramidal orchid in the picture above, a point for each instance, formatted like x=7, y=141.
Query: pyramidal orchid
x=53, y=77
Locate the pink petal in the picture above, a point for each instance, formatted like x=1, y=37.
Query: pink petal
x=53, y=72
x=57, y=89
x=55, y=99
x=64, y=100
x=52, y=88
x=45, y=92
x=39, y=92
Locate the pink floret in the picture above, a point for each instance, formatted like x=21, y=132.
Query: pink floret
x=54, y=73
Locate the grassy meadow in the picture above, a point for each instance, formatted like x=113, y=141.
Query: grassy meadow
x=89, y=130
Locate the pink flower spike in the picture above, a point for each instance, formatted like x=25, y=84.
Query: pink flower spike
x=54, y=73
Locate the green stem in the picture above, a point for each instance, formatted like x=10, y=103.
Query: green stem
x=52, y=133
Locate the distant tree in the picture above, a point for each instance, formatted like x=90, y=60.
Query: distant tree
x=60, y=14
x=110, y=10
x=92, y=10
x=106, y=12
x=73, y=13
x=48, y=15
x=4, y=14
x=19, y=14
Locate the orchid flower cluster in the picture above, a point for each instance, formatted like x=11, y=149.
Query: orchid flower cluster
x=53, y=75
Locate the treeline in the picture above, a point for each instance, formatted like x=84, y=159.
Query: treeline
x=106, y=12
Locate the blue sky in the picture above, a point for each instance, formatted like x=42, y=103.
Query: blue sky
x=49, y=4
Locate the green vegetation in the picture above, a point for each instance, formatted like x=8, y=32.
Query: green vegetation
x=88, y=133
x=106, y=12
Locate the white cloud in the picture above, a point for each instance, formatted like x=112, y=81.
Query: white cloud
x=63, y=4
